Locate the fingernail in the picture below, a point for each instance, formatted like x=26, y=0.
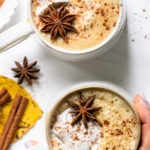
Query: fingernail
x=144, y=100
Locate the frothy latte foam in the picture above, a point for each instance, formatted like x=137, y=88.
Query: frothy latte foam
x=95, y=21
x=117, y=127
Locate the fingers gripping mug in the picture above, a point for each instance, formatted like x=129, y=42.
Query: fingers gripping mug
x=99, y=25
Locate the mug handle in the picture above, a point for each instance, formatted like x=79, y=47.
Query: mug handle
x=15, y=35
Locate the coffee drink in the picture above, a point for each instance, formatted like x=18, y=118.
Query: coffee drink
x=94, y=21
x=116, y=127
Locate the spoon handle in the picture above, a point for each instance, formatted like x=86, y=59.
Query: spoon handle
x=14, y=35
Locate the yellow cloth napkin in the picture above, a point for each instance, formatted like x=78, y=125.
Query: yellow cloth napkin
x=31, y=114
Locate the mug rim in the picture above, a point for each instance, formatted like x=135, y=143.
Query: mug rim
x=97, y=47
x=88, y=85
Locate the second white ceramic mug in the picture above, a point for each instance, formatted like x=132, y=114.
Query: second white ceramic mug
x=109, y=87
x=22, y=30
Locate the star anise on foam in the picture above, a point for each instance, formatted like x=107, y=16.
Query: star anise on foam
x=83, y=110
x=57, y=22
x=25, y=71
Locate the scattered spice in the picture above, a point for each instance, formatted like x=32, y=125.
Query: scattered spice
x=25, y=71
x=133, y=40
x=57, y=22
x=144, y=10
x=83, y=109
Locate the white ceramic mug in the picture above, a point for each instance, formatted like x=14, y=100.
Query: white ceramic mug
x=24, y=29
x=65, y=95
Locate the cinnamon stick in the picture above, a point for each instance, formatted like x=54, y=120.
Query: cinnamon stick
x=1, y=2
x=9, y=120
x=0, y=111
x=12, y=122
x=4, y=96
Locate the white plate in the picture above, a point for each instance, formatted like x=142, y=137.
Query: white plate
x=6, y=11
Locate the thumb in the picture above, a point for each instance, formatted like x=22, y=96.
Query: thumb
x=143, y=110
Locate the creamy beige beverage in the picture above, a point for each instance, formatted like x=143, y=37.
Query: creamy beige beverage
x=95, y=20
x=117, y=126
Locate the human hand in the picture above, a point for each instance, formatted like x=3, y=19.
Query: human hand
x=143, y=108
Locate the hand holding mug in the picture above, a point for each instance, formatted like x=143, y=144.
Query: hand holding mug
x=143, y=109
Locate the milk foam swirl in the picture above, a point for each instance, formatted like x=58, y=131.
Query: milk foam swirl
x=66, y=137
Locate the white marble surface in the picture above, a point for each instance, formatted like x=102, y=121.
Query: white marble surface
x=5, y=15
x=127, y=64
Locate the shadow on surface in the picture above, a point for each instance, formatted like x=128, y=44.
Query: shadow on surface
x=113, y=66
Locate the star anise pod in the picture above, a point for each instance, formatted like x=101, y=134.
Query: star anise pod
x=25, y=71
x=83, y=110
x=57, y=21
